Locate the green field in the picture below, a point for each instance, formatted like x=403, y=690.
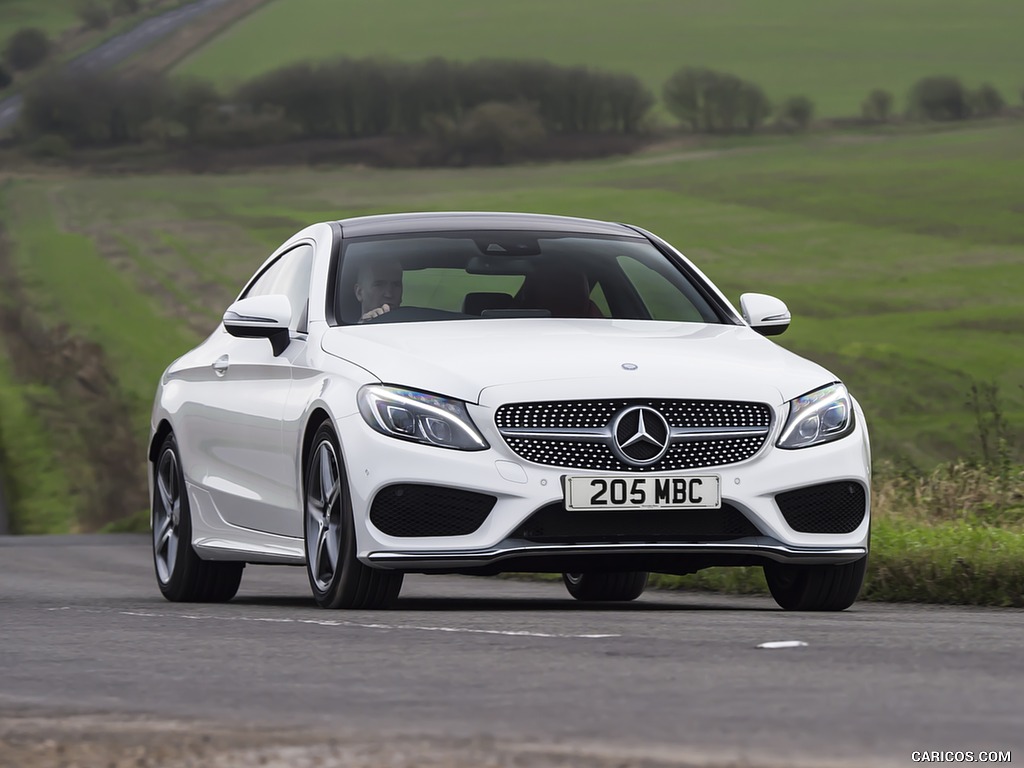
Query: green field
x=901, y=257
x=832, y=51
x=52, y=16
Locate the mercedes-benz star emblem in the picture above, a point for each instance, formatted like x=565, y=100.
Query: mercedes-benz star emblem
x=640, y=435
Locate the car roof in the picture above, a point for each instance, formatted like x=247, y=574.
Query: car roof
x=408, y=223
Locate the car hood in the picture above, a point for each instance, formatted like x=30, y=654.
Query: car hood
x=489, y=361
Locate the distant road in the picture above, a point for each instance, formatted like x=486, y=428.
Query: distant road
x=512, y=668
x=118, y=49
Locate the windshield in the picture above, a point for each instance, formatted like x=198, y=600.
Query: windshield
x=481, y=275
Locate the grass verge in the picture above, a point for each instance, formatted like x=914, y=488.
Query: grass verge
x=951, y=563
x=34, y=482
x=954, y=536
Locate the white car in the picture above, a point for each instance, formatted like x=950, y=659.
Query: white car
x=488, y=392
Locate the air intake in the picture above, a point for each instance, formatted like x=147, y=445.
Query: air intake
x=828, y=508
x=412, y=510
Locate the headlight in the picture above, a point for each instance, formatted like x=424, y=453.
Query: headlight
x=820, y=416
x=420, y=417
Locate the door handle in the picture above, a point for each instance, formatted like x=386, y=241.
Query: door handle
x=220, y=365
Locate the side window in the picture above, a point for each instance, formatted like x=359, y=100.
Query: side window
x=289, y=276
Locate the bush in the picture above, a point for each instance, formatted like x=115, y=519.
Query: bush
x=240, y=127
x=190, y=101
x=986, y=101
x=495, y=133
x=715, y=102
x=5, y=78
x=26, y=49
x=162, y=131
x=92, y=14
x=797, y=112
x=877, y=107
x=939, y=98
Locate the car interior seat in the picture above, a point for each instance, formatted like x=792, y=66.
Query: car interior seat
x=563, y=291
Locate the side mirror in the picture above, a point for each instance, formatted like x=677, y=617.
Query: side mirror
x=261, y=317
x=767, y=315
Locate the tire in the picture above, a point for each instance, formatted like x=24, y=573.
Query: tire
x=593, y=587
x=337, y=578
x=815, y=587
x=182, y=575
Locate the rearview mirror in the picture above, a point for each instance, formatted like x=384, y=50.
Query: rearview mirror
x=766, y=314
x=261, y=317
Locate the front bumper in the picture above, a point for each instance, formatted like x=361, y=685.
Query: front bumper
x=522, y=488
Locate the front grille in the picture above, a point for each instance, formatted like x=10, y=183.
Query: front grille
x=598, y=413
x=828, y=508
x=412, y=510
x=580, y=434
x=555, y=524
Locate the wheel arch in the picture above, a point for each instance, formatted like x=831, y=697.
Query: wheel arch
x=162, y=431
x=317, y=417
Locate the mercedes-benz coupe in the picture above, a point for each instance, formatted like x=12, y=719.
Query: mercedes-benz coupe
x=501, y=392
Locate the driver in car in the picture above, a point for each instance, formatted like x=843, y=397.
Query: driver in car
x=378, y=287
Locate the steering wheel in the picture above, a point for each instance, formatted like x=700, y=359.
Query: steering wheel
x=408, y=314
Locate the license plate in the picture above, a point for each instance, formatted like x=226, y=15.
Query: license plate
x=632, y=492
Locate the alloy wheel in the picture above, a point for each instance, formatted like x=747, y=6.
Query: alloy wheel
x=323, y=516
x=167, y=516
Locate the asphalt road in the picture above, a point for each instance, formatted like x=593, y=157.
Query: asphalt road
x=120, y=48
x=675, y=678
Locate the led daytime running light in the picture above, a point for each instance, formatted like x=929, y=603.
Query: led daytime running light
x=419, y=416
x=817, y=417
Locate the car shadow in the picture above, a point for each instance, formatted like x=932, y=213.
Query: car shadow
x=642, y=605
x=647, y=604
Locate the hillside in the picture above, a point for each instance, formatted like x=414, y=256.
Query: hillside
x=901, y=257
x=833, y=52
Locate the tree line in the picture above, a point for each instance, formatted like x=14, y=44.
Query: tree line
x=488, y=110
x=487, y=107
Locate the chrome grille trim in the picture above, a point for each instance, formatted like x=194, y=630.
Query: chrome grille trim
x=580, y=434
x=598, y=435
x=604, y=434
